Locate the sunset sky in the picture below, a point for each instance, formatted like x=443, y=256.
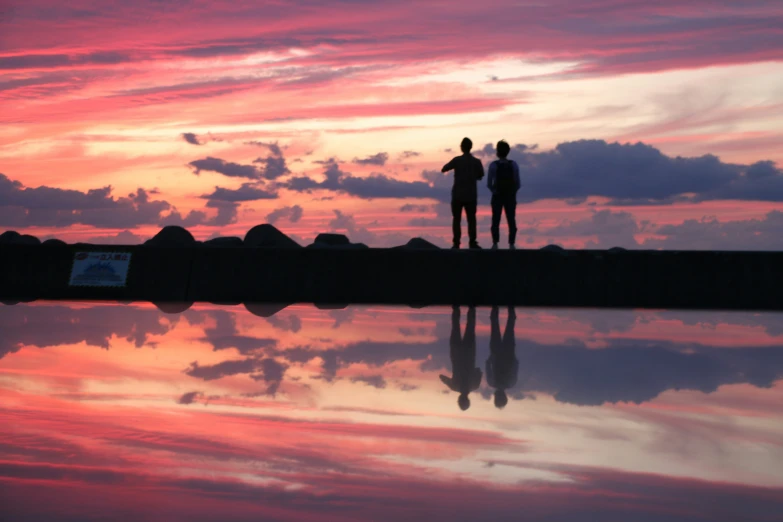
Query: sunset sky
x=637, y=124
x=340, y=415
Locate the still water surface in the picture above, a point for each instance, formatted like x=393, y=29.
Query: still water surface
x=123, y=412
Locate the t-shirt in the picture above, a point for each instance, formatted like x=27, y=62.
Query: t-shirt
x=467, y=171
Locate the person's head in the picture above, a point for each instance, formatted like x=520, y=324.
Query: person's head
x=500, y=399
x=503, y=149
x=463, y=401
x=466, y=145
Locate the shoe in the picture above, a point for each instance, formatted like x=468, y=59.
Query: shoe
x=494, y=246
x=512, y=247
x=475, y=246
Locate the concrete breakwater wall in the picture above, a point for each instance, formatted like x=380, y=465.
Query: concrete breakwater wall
x=335, y=271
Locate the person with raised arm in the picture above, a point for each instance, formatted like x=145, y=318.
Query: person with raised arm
x=468, y=170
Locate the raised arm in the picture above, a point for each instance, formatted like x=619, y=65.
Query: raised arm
x=448, y=381
x=448, y=166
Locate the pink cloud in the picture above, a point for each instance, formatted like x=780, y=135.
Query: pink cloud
x=608, y=38
x=592, y=492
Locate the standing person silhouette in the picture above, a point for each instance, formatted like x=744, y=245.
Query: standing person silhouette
x=468, y=170
x=465, y=376
x=502, y=364
x=503, y=181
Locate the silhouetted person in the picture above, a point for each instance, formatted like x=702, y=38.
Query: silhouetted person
x=468, y=170
x=502, y=365
x=503, y=181
x=465, y=376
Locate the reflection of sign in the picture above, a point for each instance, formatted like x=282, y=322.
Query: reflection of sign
x=100, y=268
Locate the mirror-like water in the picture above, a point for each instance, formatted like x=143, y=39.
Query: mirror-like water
x=122, y=412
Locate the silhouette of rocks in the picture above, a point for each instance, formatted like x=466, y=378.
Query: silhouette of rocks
x=54, y=243
x=26, y=239
x=171, y=236
x=332, y=240
x=265, y=309
x=616, y=250
x=173, y=307
x=329, y=240
x=267, y=236
x=419, y=244
x=11, y=237
x=553, y=248
x=10, y=303
x=231, y=241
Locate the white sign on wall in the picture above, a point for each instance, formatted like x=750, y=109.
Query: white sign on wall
x=100, y=268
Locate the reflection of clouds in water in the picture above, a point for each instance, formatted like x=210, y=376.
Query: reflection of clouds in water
x=225, y=335
x=189, y=398
x=620, y=321
x=621, y=371
x=45, y=326
x=288, y=323
x=379, y=445
x=266, y=369
x=414, y=332
x=272, y=373
x=772, y=323
x=362, y=466
x=602, y=322
x=341, y=317
x=376, y=381
x=625, y=371
x=638, y=371
x=223, y=369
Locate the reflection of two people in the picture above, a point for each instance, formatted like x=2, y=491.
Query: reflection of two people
x=502, y=365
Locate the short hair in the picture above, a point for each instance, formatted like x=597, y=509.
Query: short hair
x=463, y=401
x=466, y=145
x=503, y=149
